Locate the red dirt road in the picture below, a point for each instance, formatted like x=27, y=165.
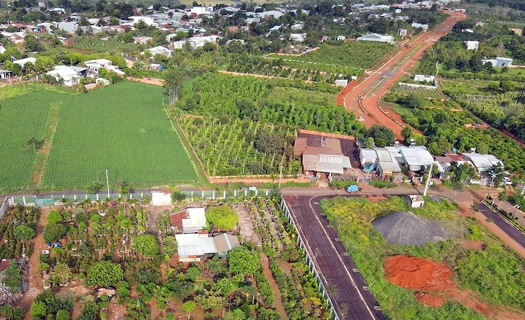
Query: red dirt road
x=363, y=100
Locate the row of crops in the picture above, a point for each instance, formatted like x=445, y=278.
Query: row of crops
x=281, y=68
x=228, y=149
x=94, y=44
x=356, y=55
x=421, y=91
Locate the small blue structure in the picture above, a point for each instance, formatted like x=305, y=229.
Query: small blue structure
x=352, y=187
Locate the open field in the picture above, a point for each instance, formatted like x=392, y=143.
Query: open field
x=122, y=128
x=20, y=119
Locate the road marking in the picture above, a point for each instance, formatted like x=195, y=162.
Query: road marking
x=342, y=262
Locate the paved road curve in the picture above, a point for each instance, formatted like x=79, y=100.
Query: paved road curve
x=364, y=98
x=503, y=224
x=345, y=284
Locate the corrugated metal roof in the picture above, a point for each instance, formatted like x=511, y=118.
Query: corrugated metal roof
x=225, y=242
x=323, y=163
x=197, y=218
x=368, y=153
x=389, y=166
x=417, y=156
x=383, y=155
x=194, y=245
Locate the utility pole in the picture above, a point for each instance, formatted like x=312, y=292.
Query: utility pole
x=280, y=176
x=428, y=180
x=107, y=181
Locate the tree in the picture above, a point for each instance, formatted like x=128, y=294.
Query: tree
x=38, y=309
x=269, y=142
x=24, y=233
x=32, y=44
x=244, y=261
x=507, y=85
x=382, y=135
x=407, y=132
x=188, y=307
x=62, y=272
x=54, y=217
x=169, y=245
x=11, y=313
x=62, y=315
x=173, y=85
x=89, y=312
x=54, y=232
x=147, y=245
x=222, y=217
x=35, y=144
x=44, y=63
x=104, y=274
x=177, y=195
x=369, y=143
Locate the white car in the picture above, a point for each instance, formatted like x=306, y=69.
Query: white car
x=507, y=181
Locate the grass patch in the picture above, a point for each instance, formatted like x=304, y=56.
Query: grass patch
x=300, y=96
x=122, y=128
x=20, y=119
x=353, y=218
x=382, y=184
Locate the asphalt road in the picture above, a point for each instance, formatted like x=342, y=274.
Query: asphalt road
x=503, y=224
x=349, y=293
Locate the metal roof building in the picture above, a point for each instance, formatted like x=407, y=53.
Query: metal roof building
x=482, y=162
x=416, y=158
x=195, y=222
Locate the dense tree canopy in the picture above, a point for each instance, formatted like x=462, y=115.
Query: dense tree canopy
x=147, y=245
x=244, y=261
x=383, y=136
x=104, y=274
x=222, y=217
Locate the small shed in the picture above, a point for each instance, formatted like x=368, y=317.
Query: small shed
x=415, y=201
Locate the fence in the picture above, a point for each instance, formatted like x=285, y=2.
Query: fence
x=50, y=200
x=311, y=265
x=5, y=205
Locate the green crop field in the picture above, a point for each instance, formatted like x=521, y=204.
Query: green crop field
x=122, y=128
x=20, y=120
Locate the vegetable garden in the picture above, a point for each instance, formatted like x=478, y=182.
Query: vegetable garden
x=419, y=91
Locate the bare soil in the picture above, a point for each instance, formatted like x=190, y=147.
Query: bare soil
x=276, y=292
x=433, y=280
x=35, y=277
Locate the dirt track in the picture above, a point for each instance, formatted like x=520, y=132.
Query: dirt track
x=364, y=98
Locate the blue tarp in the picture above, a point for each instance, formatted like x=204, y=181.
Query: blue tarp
x=352, y=188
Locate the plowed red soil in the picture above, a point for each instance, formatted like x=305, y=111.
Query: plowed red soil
x=429, y=299
x=433, y=281
x=418, y=273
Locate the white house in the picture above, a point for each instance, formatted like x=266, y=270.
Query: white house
x=416, y=158
x=498, y=62
x=298, y=37
x=201, y=10
x=146, y=19
x=416, y=25
x=70, y=76
x=2, y=48
x=5, y=74
x=340, y=38
x=374, y=37
x=424, y=78
x=297, y=26
x=93, y=65
x=270, y=13
x=472, y=45
x=22, y=62
x=482, y=162
x=196, y=220
x=160, y=50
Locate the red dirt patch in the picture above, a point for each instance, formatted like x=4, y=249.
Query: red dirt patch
x=429, y=299
x=428, y=276
x=417, y=273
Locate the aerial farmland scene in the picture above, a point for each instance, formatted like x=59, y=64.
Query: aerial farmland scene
x=293, y=160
